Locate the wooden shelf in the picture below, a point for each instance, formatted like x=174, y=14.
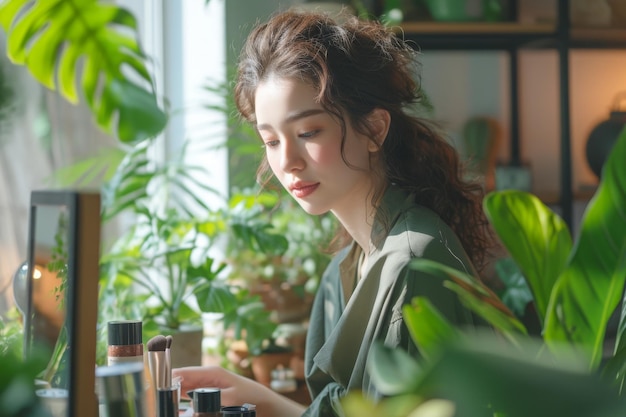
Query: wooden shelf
x=476, y=35
x=477, y=28
x=598, y=38
x=501, y=35
x=511, y=37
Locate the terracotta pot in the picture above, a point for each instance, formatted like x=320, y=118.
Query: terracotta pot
x=286, y=305
x=264, y=364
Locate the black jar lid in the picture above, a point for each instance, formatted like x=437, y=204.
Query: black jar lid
x=246, y=410
x=206, y=400
x=124, y=332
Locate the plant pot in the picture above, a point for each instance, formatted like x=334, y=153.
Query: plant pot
x=187, y=347
x=454, y=10
x=286, y=305
x=263, y=365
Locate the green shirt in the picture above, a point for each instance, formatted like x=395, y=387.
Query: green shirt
x=342, y=328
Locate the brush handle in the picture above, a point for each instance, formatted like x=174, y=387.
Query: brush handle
x=168, y=366
x=167, y=402
x=158, y=369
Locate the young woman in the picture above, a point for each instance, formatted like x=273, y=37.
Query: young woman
x=331, y=103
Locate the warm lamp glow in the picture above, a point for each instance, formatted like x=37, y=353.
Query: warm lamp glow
x=36, y=273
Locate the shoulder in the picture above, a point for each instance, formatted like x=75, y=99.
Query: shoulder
x=417, y=226
x=418, y=232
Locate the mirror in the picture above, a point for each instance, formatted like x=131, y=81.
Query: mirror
x=47, y=290
x=62, y=295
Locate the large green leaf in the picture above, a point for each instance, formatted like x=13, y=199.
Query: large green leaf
x=615, y=367
x=64, y=41
x=476, y=296
x=483, y=376
x=537, y=239
x=393, y=371
x=590, y=288
x=427, y=326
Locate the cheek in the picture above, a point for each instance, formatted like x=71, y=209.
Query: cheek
x=357, y=153
x=324, y=154
x=273, y=161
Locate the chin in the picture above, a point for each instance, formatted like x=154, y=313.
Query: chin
x=311, y=209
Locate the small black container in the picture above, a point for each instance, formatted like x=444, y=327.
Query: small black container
x=246, y=410
x=206, y=402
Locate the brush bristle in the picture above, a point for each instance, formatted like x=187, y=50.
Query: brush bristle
x=169, y=340
x=157, y=343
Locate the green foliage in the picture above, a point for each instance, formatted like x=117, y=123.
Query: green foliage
x=516, y=293
x=539, y=242
x=7, y=95
x=17, y=390
x=291, y=247
x=473, y=293
x=63, y=42
x=17, y=374
x=11, y=333
x=580, y=286
x=480, y=375
x=162, y=269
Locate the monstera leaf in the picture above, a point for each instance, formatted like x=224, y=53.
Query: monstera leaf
x=63, y=42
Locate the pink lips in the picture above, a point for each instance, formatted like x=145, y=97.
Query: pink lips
x=301, y=190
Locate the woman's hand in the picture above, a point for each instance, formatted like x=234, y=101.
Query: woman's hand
x=237, y=390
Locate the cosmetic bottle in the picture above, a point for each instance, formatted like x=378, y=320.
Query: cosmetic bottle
x=120, y=390
x=125, y=344
x=206, y=402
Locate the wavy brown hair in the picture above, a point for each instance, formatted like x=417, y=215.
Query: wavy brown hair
x=358, y=66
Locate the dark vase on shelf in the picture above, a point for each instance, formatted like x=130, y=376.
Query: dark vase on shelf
x=603, y=137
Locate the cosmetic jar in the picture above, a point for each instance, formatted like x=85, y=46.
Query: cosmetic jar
x=124, y=341
x=206, y=402
x=246, y=410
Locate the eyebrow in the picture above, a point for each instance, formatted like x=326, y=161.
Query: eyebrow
x=293, y=117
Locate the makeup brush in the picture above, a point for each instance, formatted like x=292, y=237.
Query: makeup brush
x=156, y=361
x=168, y=359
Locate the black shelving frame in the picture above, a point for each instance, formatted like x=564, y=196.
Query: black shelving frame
x=560, y=39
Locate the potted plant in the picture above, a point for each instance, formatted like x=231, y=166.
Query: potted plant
x=276, y=252
x=576, y=286
x=285, y=270
x=162, y=269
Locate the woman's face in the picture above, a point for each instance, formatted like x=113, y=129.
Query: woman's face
x=303, y=148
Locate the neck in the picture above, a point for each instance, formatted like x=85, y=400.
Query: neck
x=358, y=223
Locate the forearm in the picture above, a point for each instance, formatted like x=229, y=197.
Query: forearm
x=272, y=404
x=268, y=402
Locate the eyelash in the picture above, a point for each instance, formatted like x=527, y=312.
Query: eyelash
x=309, y=134
x=305, y=135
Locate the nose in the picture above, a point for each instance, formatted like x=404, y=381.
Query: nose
x=291, y=158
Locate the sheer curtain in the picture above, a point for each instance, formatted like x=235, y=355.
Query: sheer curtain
x=43, y=133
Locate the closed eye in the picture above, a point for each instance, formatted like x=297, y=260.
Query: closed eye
x=271, y=143
x=309, y=134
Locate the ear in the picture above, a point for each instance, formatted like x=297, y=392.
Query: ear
x=379, y=120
